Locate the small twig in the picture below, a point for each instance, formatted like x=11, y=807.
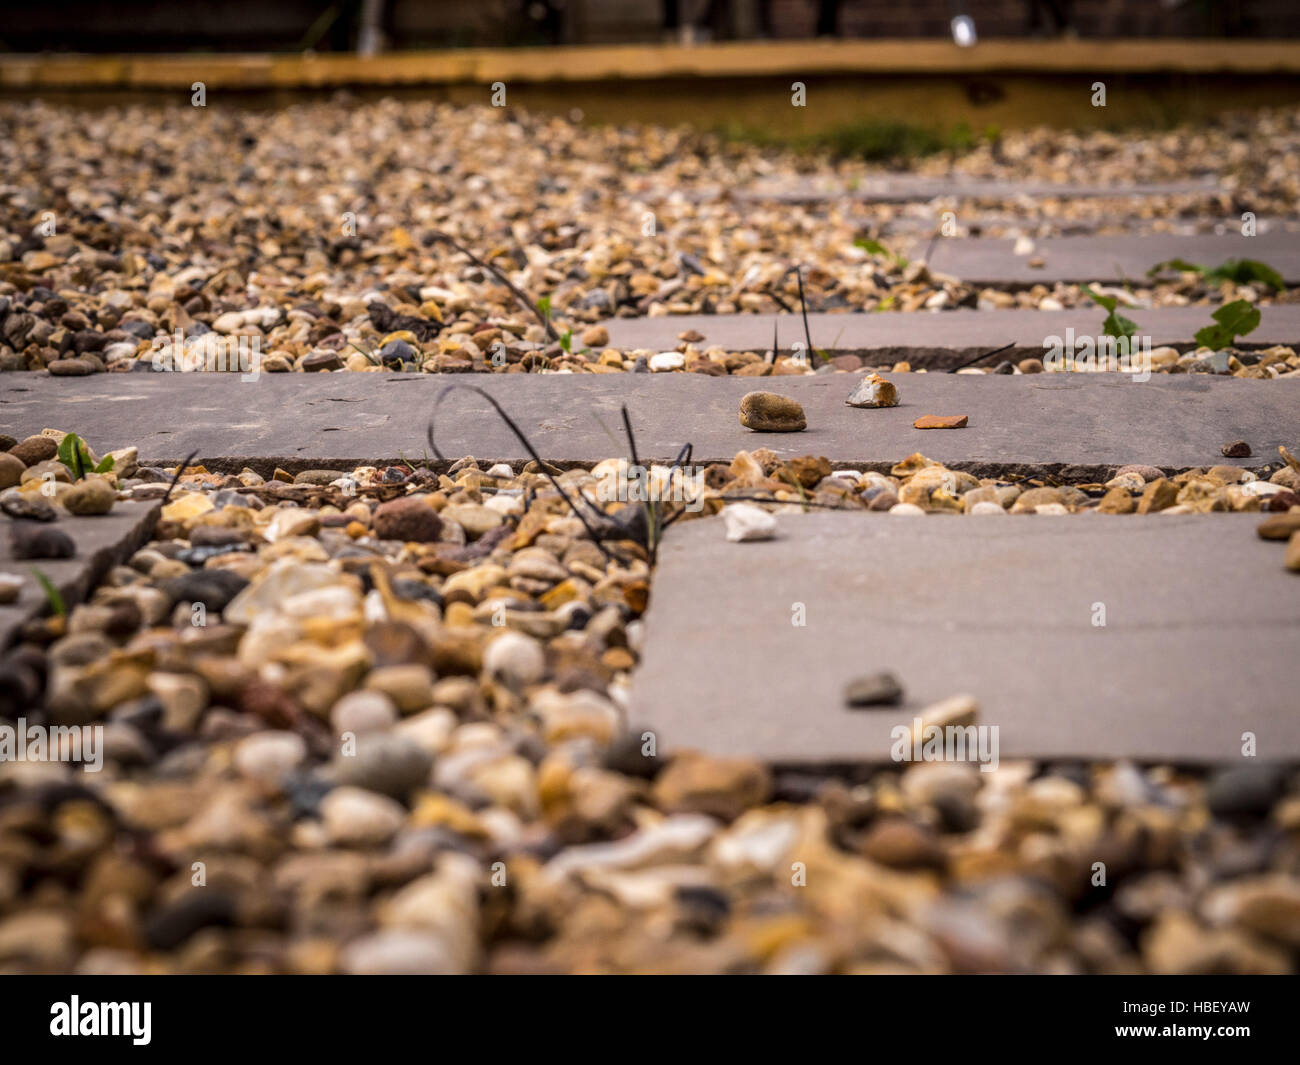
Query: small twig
x=803, y=309
x=934, y=239
x=972, y=362
x=176, y=480
x=532, y=451
x=782, y=502
x=518, y=294
x=778, y=300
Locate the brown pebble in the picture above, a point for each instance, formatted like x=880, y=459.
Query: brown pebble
x=940, y=421
x=1279, y=526
x=766, y=412
x=1238, y=449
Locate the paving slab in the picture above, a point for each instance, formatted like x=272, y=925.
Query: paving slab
x=904, y=188
x=1201, y=621
x=936, y=340
x=1077, y=425
x=986, y=261
x=102, y=542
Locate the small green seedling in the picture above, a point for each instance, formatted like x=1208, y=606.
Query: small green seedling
x=1232, y=320
x=52, y=594
x=75, y=455
x=874, y=247
x=1238, y=271
x=1115, y=325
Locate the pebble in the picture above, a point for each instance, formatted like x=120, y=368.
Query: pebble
x=409, y=519
x=11, y=470
x=389, y=763
x=721, y=787
x=515, y=659
x=39, y=541
x=1238, y=449
x=11, y=585
x=876, y=689
x=91, y=495
x=874, y=391
x=27, y=508
x=766, y=412
x=34, y=450
x=409, y=686
x=1244, y=791
x=268, y=757
x=745, y=521
x=667, y=361
x=363, y=711
x=940, y=421
x=355, y=817
x=400, y=952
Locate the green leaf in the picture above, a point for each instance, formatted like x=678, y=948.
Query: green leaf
x=52, y=594
x=372, y=359
x=74, y=454
x=1234, y=319
x=544, y=306
x=105, y=464
x=1238, y=271
x=874, y=247
x=1244, y=271
x=1115, y=324
x=1181, y=265
x=566, y=340
x=1108, y=302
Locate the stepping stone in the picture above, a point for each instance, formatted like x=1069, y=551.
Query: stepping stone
x=980, y=261
x=1081, y=425
x=914, y=188
x=1200, y=618
x=102, y=542
x=904, y=188
x=937, y=340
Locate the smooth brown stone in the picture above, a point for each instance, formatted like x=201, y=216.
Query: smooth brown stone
x=767, y=412
x=940, y=421
x=1279, y=526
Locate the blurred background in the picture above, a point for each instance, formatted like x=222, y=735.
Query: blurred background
x=370, y=25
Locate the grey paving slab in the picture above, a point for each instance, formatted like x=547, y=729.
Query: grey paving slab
x=983, y=261
x=935, y=340
x=102, y=542
x=907, y=188
x=1201, y=620
x=1079, y=424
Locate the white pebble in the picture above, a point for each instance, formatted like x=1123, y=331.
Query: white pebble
x=986, y=506
x=356, y=817
x=515, y=659
x=744, y=521
x=268, y=756
x=667, y=360
x=363, y=711
x=907, y=509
